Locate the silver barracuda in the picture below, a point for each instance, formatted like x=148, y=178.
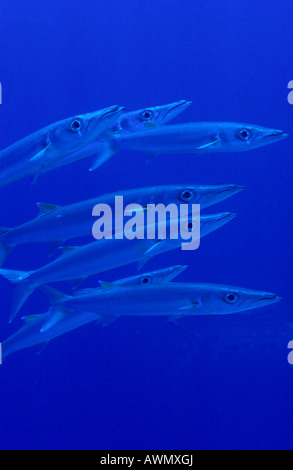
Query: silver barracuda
x=174, y=300
x=197, y=138
x=47, y=148
x=103, y=255
x=56, y=224
x=133, y=121
x=29, y=335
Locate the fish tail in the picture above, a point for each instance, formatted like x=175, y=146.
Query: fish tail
x=5, y=248
x=22, y=288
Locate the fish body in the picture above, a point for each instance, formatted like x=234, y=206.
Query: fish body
x=48, y=148
x=167, y=299
x=29, y=334
x=198, y=137
x=133, y=121
x=175, y=300
x=56, y=224
x=102, y=255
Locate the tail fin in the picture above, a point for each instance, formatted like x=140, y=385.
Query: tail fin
x=5, y=248
x=22, y=288
x=54, y=296
x=55, y=316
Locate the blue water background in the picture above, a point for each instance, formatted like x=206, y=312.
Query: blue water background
x=144, y=383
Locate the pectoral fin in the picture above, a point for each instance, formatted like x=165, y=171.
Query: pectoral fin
x=207, y=147
x=150, y=252
x=106, y=152
x=192, y=305
x=41, y=154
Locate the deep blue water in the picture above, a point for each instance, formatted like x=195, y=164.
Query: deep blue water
x=143, y=383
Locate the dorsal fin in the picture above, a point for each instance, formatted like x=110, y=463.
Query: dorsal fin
x=45, y=208
x=107, y=285
x=68, y=249
x=29, y=318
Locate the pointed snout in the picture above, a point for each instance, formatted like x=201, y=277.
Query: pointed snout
x=213, y=222
x=112, y=112
x=101, y=120
x=275, y=134
x=173, y=109
x=175, y=271
x=267, y=298
x=229, y=188
x=222, y=218
x=221, y=192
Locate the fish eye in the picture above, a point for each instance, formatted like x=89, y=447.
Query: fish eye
x=145, y=280
x=231, y=298
x=187, y=195
x=244, y=134
x=146, y=115
x=75, y=125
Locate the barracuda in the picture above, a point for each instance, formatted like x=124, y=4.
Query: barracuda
x=197, y=138
x=56, y=224
x=48, y=148
x=134, y=121
x=99, y=256
x=174, y=300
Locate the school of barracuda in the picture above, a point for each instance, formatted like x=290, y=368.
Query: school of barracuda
x=100, y=135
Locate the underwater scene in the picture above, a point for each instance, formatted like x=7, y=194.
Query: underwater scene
x=145, y=233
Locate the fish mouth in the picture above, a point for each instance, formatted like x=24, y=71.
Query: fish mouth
x=175, y=271
x=213, y=222
x=277, y=134
x=179, y=106
x=270, y=298
x=232, y=188
x=179, y=269
x=113, y=109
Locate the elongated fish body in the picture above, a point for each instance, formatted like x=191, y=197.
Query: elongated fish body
x=175, y=300
x=29, y=335
x=100, y=256
x=58, y=224
x=198, y=137
x=167, y=299
x=106, y=254
x=134, y=121
x=48, y=147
